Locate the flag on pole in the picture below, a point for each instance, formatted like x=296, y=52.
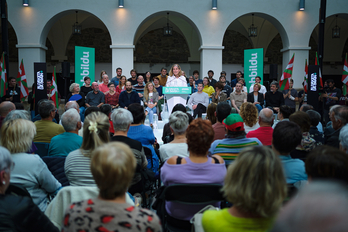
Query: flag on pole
x=22, y=80
x=54, y=88
x=285, y=79
x=305, y=82
x=3, y=74
x=320, y=76
x=345, y=76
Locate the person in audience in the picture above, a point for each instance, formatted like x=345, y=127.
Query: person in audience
x=122, y=84
x=313, y=130
x=305, y=108
x=192, y=84
x=283, y=114
x=45, y=128
x=103, y=87
x=30, y=171
x=344, y=139
x=227, y=88
x=264, y=132
x=77, y=163
x=286, y=136
x=178, y=122
x=166, y=128
x=112, y=96
x=234, y=141
x=339, y=118
x=235, y=81
x=18, y=213
x=128, y=97
x=133, y=79
x=255, y=203
x=330, y=97
x=163, y=77
x=150, y=101
x=237, y=98
x=326, y=162
x=86, y=88
x=100, y=81
x=256, y=97
x=175, y=78
x=12, y=91
x=262, y=88
x=198, y=102
x=196, y=77
x=140, y=86
x=148, y=77
x=116, y=79
x=318, y=207
x=207, y=88
x=5, y=108
x=112, y=166
x=290, y=96
x=90, y=110
x=107, y=109
x=212, y=81
x=244, y=88
x=198, y=168
x=78, y=96
x=122, y=120
x=19, y=106
x=211, y=113
x=274, y=98
x=158, y=88
x=218, y=96
x=223, y=109
x=63, y=144
x=144, y=134
x=250, y=116
x=95, y=97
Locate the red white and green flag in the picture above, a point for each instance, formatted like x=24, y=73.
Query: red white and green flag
x=22, y=80
x=285, y=79
x=3, y=74
x=54, y=88
x=305, y=82
x=345, y=76
x=320, y=76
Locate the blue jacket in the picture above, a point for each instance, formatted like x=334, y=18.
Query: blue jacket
x=125, y=102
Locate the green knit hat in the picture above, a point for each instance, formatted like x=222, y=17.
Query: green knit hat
x=234, y=122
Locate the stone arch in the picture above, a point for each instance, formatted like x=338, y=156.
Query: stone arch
x=13, y=40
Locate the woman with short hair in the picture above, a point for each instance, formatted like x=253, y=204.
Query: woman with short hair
x=255, y=185
x=30, y=170
x=78, y=96
x=256, y=97
x=250, y=116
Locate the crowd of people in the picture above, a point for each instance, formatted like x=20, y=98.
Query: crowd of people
x=258, y=146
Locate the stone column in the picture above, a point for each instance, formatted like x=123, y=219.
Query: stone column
x=301, y=54
x=211, y=59
x=123, y=57
x=30, y=53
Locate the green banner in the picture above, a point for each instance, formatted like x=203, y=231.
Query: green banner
x=176, y=90
x=253, y=65
x=84, y=64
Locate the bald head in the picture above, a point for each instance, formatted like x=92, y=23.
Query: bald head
x=6, y=107
x=266, y=117
x=72, y=105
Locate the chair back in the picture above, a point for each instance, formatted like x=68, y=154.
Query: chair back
x=42, y=148
x=56, y=166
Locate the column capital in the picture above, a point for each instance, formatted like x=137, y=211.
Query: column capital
x=122, y=46
x=211, y=48
x=295, y=48
x=30, y=45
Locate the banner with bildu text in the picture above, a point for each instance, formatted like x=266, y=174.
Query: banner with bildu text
x=253, y=66
x=84, y=64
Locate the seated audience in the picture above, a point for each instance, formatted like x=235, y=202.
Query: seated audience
x=103, y=87
x=256, y=186
x=242, y=82
x=122, y=120
x=256, y=97
x=112, y=96
x=5, y=108
x=339, y=118
x=45, y=128
x=63, y=144
x=235, y=141
x=250, y=116
x=198, y=168
x=78, y=96
x=218, y=96
x=207, y=88
x=237, y=98
x=140, y=86
x=262, y=88
x=30, y=171
x=264, y=132
x=198, y=101
x=227, y=88
x=178, y=122
x=344, y=139
x=122, y=84
x=223, y=109
x=318, y=207
x=167, y=134
x=286, y=137
x=274, y=98
x=290, y=96
x=112, y=166
x=107, y=109
x=77, y=163
x=305, y=108
x=95, y=97
x=211, y=113
x=128, y=96
x=313, y=130
x=150, y=101
x=307, y=143
x=18, y=213
x=283, y=114
x=86, y=88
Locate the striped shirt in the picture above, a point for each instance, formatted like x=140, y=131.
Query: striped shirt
x=229, y=148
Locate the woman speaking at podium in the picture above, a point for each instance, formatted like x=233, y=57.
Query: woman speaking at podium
x=176, y=79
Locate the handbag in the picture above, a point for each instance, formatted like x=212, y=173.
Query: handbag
x=196, y=220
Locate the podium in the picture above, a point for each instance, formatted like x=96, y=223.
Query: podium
x=175, y=95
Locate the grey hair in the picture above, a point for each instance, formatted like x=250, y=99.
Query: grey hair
x=15, y=114
x=45, y=108
x=264, y=118
x=5, y=158
x=275, y=83
x=344, y=137
x=70, y=118
x=179, y=122
x=341, y=113
x=72, y=86
x=121, y=118
x=71, y=105
x=334, y=108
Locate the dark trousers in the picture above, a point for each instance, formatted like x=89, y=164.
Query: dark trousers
x=199, y=110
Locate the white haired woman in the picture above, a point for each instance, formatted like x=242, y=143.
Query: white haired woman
x=30, y=171
x=178, y=122
x=256, y=186
x=113, y=166
x=78, y=96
